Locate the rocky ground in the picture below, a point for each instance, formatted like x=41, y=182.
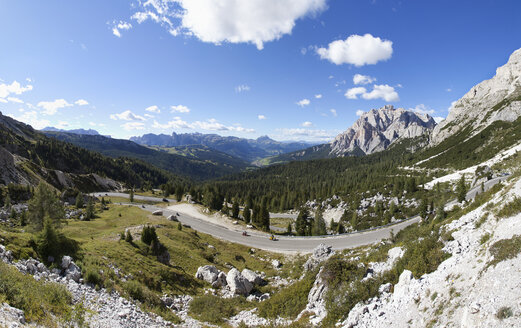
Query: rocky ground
x=465, y=291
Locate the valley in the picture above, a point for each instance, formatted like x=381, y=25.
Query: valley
x=222, y=164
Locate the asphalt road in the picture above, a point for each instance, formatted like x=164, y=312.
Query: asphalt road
x=260, y=240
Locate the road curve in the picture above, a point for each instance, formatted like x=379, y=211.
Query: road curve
x=287, y=244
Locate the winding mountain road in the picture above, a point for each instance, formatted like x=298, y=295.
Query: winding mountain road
x=286, y=244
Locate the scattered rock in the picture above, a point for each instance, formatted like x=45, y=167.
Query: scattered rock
x=237, y=283
x=253, y=277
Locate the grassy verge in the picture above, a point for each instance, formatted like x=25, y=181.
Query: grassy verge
x=214, y=309
x=505, y=249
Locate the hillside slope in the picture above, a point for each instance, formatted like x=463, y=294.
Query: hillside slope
x=27, y=156
x=192, y=167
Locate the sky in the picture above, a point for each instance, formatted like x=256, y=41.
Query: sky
x=289, y=69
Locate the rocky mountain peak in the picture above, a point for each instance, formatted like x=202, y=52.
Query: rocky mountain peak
x=496, y=99
x=378, y=128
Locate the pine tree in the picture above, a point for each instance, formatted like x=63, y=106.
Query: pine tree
x=45, y=203
x=461, y=189
x=354, y=221
x=179, y=191
x=301, y=225
x=89, y=211
x=79, y=200
x=131, y=195
x=289, y=229
x=235, y=210
x=340, y=228
x=246, y=213
x=264, y=217
x=47, y=241
x=319, y=225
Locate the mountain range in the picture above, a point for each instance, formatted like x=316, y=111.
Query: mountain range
x=247, y=149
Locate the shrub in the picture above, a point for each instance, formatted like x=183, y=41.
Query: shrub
x=504, y=312
x=214, y=309
x=148, y=235
x=290, y=301
x=486, y=237
x=510, y=209
x=128, y=237
x=92, y=277
x=40, y=301
x=505, y=249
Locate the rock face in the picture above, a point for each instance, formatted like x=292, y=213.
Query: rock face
x=321, y=253
x=497, y=99
x=377, y=129
x=237, y=283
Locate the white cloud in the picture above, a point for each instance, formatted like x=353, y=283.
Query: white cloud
x=422, y=109
x=127, y=116
x=13, y=88
x=384, y=92
x=330, y=77
x=307, y=124
x=363, y=79
x=438, y=119
x=261, y=117
x=333, y=112
x=357, y=50
x=449, y=90
x=319, y=96
x=121, y=25
x=452, y=104
x=354, y=92
x=15, y=100
x=149, y=116
x=81, y=102
x=129, y=126
x=51, y=107
x=2, y=100
x=32, y=119
x=303, y=102
x=208, y=125
x=359, y=112
x=180, y=109
x=153, y=109
x=217, y=22
x=308, y=134
x=242, y=88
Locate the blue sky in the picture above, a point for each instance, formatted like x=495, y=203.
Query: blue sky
x=281, y=68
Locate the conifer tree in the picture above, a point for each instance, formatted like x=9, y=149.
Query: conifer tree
x=45, y=203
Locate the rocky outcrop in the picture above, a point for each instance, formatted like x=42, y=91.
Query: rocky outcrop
x=237, y=283
x=377, y=129
x=321, y=253
x=253, y=277
x=211, y=275
x=11, y=317
x=497, y=99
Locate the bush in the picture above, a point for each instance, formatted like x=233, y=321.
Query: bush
x=141, y=293
x=510, y=209
x=505, y=249
x=40, y=301
x=214, y=309
x=92, y=277
x=290, y=301
x=504, y=312
x=148, y=235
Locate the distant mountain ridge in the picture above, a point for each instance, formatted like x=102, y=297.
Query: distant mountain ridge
x=246, y=149
x=89, y=132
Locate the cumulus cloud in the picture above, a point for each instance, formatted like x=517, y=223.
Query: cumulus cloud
x=153, y=109
x=363, y=79
x=2, y=100
x=438, y=119
x=422, y=109
x=357, y=50
x=307, y=124
x=130, y=126
x=32, y=119
x=359, y=112
x=261, y=117
x=208, y=125
x=81, y=102
x=303, y=102
x=354, y=92
x=127, y=116
x=180, y=109
x=14, y=88
x=242, y=88
x=15, y=100
x=306, y=134
x=333, y=112
x=383, y=91
x=452, y=104
x=118, y=26
x=51, y=107
x=220, y=21
x=319, y=96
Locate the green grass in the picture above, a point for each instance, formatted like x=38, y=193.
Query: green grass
x=40, y=301
x=289, y=301
x=484, y=238
x=505, y=249
x=214, y=309
x=510, y=209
